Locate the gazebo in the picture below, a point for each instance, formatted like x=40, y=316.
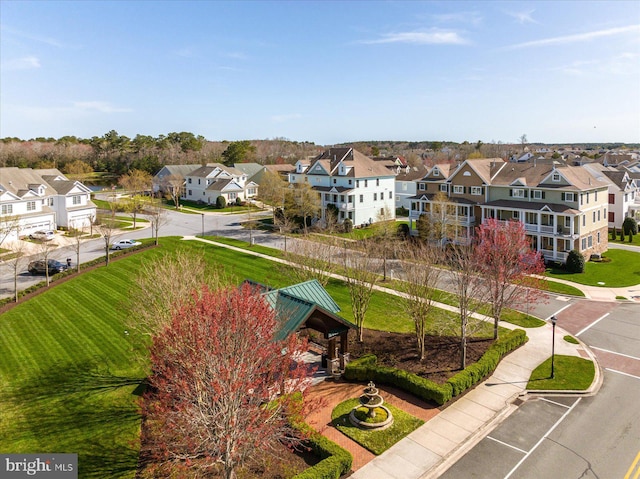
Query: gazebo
x=308, y=305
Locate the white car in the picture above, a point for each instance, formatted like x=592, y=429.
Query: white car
x=125, y=243
x=42, y=235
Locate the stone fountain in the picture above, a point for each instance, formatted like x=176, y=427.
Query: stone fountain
x=371, y=400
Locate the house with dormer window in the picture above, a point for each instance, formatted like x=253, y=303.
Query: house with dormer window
x=357, y=187
x=623, y=194
x=43, y=200
x=562, y=208
x=207, y=183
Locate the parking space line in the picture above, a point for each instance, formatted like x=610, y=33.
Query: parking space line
x=508, y=445
x=621, y=372
x=556, y=403
x=613, y=352
x=594, y=323
x=633, y=466
x=515, y=468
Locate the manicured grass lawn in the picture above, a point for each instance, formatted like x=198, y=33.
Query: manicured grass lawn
x=635, y=242
x=623, y=270
x=375, y=441
x=571, y=373
x=561, y=288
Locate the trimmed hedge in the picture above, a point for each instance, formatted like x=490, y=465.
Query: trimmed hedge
x=335, y=460
x=365, y=369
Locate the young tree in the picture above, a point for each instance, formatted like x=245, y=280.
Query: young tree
x=311, y=262
x=436, y=225
x=77, y=235
x=214, y=367
x=302, y=201
x=172, y=186
x=386, y=239
x=136, y=182
x=157, y=216
x=9, y=224
x=506, y=262
x=467, y=284
x=17, y=259
x=271, y=190
x=360, y=276
x=107, y=227
x=422, y=272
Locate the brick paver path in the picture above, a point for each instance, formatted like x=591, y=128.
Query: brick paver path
x=331, y=393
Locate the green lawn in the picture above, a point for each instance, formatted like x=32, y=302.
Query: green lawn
x=375, y=441
x=623, y=270
x=571, y=374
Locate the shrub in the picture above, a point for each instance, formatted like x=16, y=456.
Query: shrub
x=221, y=202
x=403, y=231
x=630, y=227
x=575, y=262
x=347, y=225
x=366, y=369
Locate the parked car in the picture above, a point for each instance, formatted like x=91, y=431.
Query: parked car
x=38, y=267
x=125, y=243
x=42, y=235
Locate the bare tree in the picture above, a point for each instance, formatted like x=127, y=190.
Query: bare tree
x=313, y=261
x=77, y=235
x=16, y=261
x=157, y=216
x=422, y=273
x=386, y=240
x=45, y=250
x=437, y=225
x=271, y=190
x=9, y=224
x=107, y=227
x=360, y=276
x=136, y=183
x=302, y=201
x=468, y=286
x=173, y=186
x=523, y=141
x=165, y=283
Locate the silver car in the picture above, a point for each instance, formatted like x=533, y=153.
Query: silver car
x=125, y=243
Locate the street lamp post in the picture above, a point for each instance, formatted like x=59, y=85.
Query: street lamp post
x=554, y=320
x=202, y=214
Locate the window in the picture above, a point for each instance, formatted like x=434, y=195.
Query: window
x=207, y=183
x=421, y=186
x=612, y=217
x=375, y=196
x=594, y=217
x=626, y=197
x=595, y=194
x=198, y=180
x=518, y=193
x=443, y=188
x=334, y=181
x=204, y=193
x=377, y=181
x=361, y=198
x=555, y=177
x=76, y=200
x=293, y=177
x=515, y=215
x=598, y=215
x=476, y=190
x=436, y=172
x=351, y=215
x=584, y=220
x=459, y=190
x=190, y=193
x=31, y=205
x=390, y=195
x=612, y=199
x=537, y=195
x=357, y=183
x=584, y=243
x=567, y=222
x=590, y=241
x=587, y=198
x=350, y=182
x=350, y=199
x=598, y=237
x=233, y=196
x=365, y=183
x=568, y=197
x=7, y=209
x=189, y=181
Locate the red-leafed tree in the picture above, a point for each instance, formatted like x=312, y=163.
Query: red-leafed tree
x=507, y=264
x=216, y=372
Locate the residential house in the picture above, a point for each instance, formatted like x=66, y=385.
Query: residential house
x=406, y=184
x=359, y=188
x=562, y=208
x=623, y=192
x=207, y=183
x=43, y=200
x=159, y=182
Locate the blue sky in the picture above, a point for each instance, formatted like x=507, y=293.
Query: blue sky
x=327, y=72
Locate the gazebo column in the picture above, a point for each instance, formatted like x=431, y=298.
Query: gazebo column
x=344, y=349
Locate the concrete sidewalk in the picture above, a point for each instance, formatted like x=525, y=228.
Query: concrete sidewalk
x=431, y=449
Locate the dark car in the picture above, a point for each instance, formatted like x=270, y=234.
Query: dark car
x=38, y=267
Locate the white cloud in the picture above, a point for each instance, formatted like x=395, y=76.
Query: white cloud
x=24, y=63
x=286, y=117
x=100, y=106
x=36, y=38
x=580, y=37
x=523, y=17
x=434, y=36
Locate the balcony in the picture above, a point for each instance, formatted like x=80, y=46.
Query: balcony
x=340, y=206
x=450, y=219
x=560, y=256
